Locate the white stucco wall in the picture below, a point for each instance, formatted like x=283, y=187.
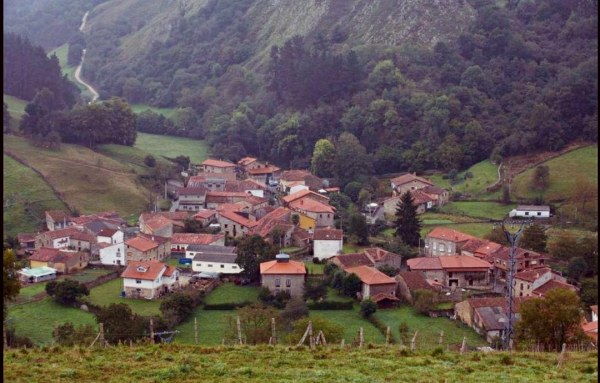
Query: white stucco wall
x=111, y=254
x=529, y=214
x=60, y=243
x=215, y=267
x=324, y=249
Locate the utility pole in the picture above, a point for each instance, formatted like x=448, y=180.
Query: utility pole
x=513, y=239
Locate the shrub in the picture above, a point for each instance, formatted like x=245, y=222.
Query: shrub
x=404, y=331
x=388, y=270
x=438, y=351
x=333, y=332
x=69, y=335
x=330, y=305
x=337, y=280
x=150, y=161
x=176, y=307
x=424, y=300
x=66, y=292
x=226, y=306
x=295, y=309
x=367, y=308
x=315, y=289
x=351, y=285
x=506, y=360
x=277, y=300
x=316, y=260
x=330, y=268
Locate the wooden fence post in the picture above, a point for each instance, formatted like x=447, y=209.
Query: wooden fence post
x=562, y=355
x=102, y=340
x=441, y=337
x=388, y=334
x=343, y=343
x=412, y=342
x=151, y=330
x=463, y=347
x=311, y=339
x=239, y=330
x=56, y=338
x=273, y=331
x=196, y=330
x=361, y=338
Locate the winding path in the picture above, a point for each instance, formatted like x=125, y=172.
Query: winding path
x=95, y=94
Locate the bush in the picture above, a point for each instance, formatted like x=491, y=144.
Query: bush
x=150, y=161
x=330, y=268
x=351, y=285
x=424, y=300
x=295, y=309
x=316, y=260
x=367, y=308
x=331, y=305
x=176, y=307
x=66, y=292
x=404, y=331
x=333, y=332
x=277, y=300
x=69, y=335
x=438, y=351
x=388, y=270
x=226, y=306
x=314, y=289
x=337, y=280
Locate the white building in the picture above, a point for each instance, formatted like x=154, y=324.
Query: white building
x=149, y=279
x=531, y=211
x=37, y=274
x=193, y=250
x=113, y=254
x=216, y=263
x=327, y=242
x=110, y=236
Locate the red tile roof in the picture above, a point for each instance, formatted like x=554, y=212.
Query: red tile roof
x=370, y=275
x=58, y=215
x=155, y=238
x=328, y=234
x=424, y=263
x=279, y=213
x=504, y=254
x=157, y=222
x=294, y=175
x=218, y=163
x=496, y=302
x=420, y=197
x=304, y=193
x=406, y=178
x=44, y=254
x=309, y=204
x=246, y=161
x=552, y=284
x=67, y=232
x=382, y=297
x=107, y=232
x=25, y=237
x=300, y=234
x=169, y=271
x=153, y=270
x=226, y=194
x=194, y=190
x=460, y=262
x=264, y=170
x=142, y=244
x=195, y=239
x=377, y=253
x=80, y=236
x=290, y=267
x=347, y=261
x=232, y=216
x=205, y=214
x=414, y=280
x=531, y=275
x=449, y=235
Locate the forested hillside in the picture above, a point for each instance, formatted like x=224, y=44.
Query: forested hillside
x=439, y=86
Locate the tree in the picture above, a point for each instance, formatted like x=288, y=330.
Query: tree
x=190, y=225
x=251, y=251
x=121, y=324
x=66, y=292
x=351, y=161
x=388, y=270
x=576, y=268
x=385, y=75
x=424, y=300
x=314, y=289
x=540, y=178
x=337, y=280
x=534, y=238
x=351, y=285
x=562, y=247
x=497, y=235
x=333, y=332
x=150, y=161
x=295, y=309
x=408, y=225
x=69, y=335
x=552, y=320
x=10, y=279
x=585, y=191
x=176, y=307
x=367, y=308
x=359, y=228
x=255, y=323
x=322, y=159
x=589, y=291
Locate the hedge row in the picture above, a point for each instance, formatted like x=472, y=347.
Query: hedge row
x=226, y=306
x=330, y=305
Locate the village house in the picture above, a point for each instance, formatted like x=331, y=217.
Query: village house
x=218, y=167
x=164, y=244
x=530, y=211
x=64, y=261
x=411, y=281
x=327, y=242
x=181, y=241
x=274, y=230
x=216, y=198
x=294, y=177
x=282, y=274
x=110, y=236
x=112, y=254
x=480, y=248
x=373, y=256
x=206, y=217
x=443, y=241
x=265, y=175
x=454, y=270
x=301, y=194
x=142, y=249
x=214, y=259
x=535, y=282
x=191, y=198
x=57, y=219
x=318, y=213
x=300, y=237
x=65, y=238
x=408, y=182
x=375, y=284
x=234, y=224
x=26, y=242
x=347, y=261
x=526, y=259
x=149, y=279
x=158, y=225
x=81, y=241
x=591, y=328
x=36, y=274
x=422, y=201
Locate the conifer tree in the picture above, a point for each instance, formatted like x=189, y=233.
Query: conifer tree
x=408, y=225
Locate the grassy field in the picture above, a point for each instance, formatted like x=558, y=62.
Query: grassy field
x=131, y=156
x=231, y=293
x=110, y=292
x=314, y=268
x=139, y=108
x=212, y=326
x=185, y=363
x=565, y=172
x=87, y=180
x=16, y=109
x=26, y=197
x=349, y=248
x=484, y=174
x=428, y=329
x=486, y=210
x=36, y=320
x=172, y=147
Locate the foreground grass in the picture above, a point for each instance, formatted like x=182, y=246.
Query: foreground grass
x=578, y=164
x=87, y=180
x=110, y=292
x=26, y=197
x=172, y=147
x=36, y=320
x=188, y=363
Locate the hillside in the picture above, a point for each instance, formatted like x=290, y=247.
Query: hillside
x=152, y=363
x=86, y=180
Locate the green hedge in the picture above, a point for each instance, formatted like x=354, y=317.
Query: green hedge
x=226, y=306
x=330, y=305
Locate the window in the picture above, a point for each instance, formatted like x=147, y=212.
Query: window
x=435, y=246
x=521, y=286
x=277, y=282
x=449, y=275
x=288, y=283
x=442, y=247
x=210, y=265
x=198, y=264
x=222, y=266
x=225, y=226
x=234, y=267
x=526, y=213
x=138, y=281
x=539, y=213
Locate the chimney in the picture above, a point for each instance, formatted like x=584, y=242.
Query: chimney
x=282, y=258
